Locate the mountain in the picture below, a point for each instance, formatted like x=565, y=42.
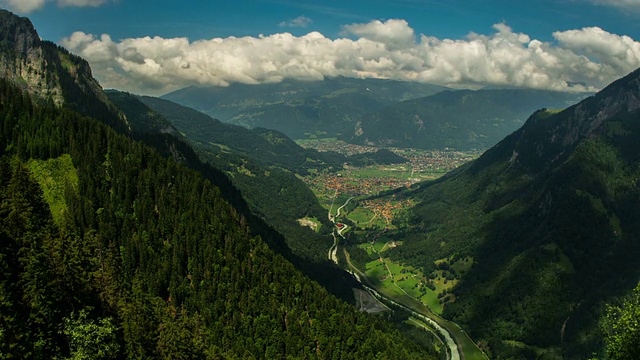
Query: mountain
x=50, y=73
x=260, y=169
x=549, y=218
x=111, y=248
x=142, y=119
x=267, y=147
x=300, y=109
x=462, y=120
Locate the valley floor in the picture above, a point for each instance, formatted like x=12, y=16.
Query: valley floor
x=364, y=223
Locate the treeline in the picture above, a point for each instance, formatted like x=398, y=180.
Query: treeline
x=150, y=261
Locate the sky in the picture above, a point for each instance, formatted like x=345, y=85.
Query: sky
x=155, y=47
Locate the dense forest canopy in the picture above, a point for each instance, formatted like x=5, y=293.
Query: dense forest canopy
x=149, y=258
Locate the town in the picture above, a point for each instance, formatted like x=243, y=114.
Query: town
x=370, y=180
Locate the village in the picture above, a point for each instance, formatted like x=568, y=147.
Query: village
x=370, y=180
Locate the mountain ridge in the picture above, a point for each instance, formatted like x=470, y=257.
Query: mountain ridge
x=547, y=215
x=300, y=109
x=462, y=119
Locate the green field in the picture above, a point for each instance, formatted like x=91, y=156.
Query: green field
x=396, y=172
x=468, y=348
x=55, y=176
x=367, y=219
x=410, y=280
x=381, y=245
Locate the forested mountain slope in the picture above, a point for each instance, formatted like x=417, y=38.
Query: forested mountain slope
x=463, y=119
x=143, y=257
x=549, y=216
x=267, y=147
x=273, y=193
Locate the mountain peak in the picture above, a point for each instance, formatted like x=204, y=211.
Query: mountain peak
x=21, y=57
x=50, y=73
x=548, y=137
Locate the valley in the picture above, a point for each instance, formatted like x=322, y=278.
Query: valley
x=364, y=222
x=319, y=217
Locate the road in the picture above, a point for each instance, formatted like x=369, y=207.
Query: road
x=454, y=352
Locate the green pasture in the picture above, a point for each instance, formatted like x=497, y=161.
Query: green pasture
x=376, y=270
x=54, y=176
x=412, y=281
x=399, y=172
x=365, y=218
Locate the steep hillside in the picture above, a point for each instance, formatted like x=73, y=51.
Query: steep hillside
x=300, y=109
x=267, y=147
x=142, y=119
x=462, y=120
x=146, y=257
x=50, y=73
x=272, y=193
x=549, y=217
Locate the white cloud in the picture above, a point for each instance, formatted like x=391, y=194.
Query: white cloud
x=590, y=57
x=29, y=6
x=300, y=22
x=23, y=6
x=393, y=33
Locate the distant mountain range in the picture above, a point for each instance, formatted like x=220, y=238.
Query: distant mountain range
x=300, y=109
x=549, y=216
x=462, y=120
x=376, y=112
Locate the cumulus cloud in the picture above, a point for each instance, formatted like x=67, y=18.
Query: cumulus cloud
x=393, y=33
x=29, y=6
x=300, y=22
x=579, y=60
x=23, y=6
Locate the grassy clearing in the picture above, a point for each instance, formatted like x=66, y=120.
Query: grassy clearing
x=311, y=222
x=467, y=347
x=55, y=176
x=563, y=261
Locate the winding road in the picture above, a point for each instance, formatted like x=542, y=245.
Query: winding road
x=333, y=250
x=453, y=353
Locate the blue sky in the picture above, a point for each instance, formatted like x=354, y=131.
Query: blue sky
x=443, y=19
x=456, y=43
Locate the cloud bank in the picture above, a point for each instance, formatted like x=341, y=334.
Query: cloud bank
x=29, y=6
x=578, y=60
